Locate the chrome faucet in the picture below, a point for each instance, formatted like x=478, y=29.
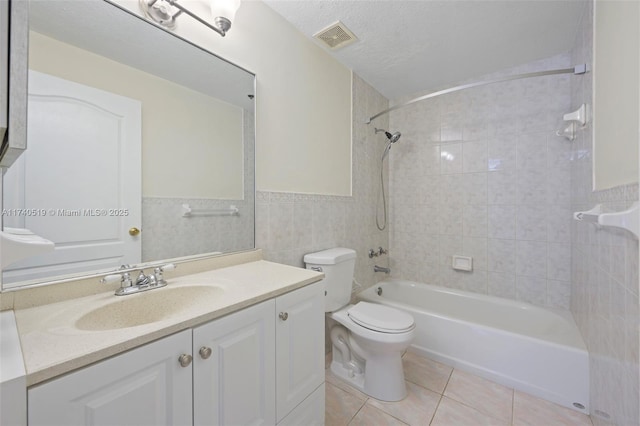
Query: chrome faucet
x=375, y=253
x=142, y=283
x=377, y=268
x=143, y=279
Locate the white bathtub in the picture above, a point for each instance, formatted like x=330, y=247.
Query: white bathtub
x=532, y=349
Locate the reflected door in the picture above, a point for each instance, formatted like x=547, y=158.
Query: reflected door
x=89, y=197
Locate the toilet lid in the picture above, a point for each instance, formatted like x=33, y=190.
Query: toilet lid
x=380, y=318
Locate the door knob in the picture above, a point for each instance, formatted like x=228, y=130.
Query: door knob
x=134, y=231
x=205, y=352
x=185, y=360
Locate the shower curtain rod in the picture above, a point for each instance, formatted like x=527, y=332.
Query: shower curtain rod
x=578, y=69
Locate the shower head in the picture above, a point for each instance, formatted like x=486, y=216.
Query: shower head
x=393, y=137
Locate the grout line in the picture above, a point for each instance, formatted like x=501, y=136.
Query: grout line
x=388, y=414
x=466, y=404
x=448, y=380
x=356, y=413
x=436, y=410
x=474, y=408
x=513, y=406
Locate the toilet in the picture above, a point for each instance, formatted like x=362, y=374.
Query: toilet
x=368, y=339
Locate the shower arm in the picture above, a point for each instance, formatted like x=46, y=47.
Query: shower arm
x=577, y=70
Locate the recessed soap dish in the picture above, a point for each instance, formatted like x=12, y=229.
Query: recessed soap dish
x=462, y=263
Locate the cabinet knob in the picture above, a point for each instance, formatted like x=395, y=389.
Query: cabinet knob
x=185, y=360
x=205, y=352
x=283, y=316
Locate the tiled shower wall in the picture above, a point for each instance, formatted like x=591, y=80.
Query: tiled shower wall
x=289, y=225
x=604, y=290
x=481, y=173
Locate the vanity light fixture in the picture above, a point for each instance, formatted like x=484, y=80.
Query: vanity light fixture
x=165, y=12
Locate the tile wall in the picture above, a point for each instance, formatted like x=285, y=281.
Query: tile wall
x=289, y=225
x=167, y=234
x=481, y=173
x=604, y=290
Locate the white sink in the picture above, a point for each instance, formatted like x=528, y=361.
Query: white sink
x=148, y=307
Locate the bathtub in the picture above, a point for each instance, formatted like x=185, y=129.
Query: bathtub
x=522, y=346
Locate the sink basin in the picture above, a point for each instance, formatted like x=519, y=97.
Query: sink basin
x=148, y=307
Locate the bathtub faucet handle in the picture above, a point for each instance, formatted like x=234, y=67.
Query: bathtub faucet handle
x=382, y=251
x=373, y=253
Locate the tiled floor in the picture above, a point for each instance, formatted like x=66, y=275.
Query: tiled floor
x=441, y=396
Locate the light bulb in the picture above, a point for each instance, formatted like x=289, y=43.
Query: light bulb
x=225, y=8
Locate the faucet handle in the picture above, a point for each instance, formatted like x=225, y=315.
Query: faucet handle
x=382, y=251
x=125, y=279
x=157, y=272
x=125, y=282
x=168, y=267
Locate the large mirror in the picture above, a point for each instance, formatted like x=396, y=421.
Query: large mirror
x=140, y=146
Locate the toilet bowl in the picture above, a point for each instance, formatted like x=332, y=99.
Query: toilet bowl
x=368, y=339
x=372, y=359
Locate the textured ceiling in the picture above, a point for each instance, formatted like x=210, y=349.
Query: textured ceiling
x=408, y=46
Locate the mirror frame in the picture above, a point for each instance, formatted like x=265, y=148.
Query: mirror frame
x=15, y=141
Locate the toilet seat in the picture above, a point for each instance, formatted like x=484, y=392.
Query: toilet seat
x=380, y=318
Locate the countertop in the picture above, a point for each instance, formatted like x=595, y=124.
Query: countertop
x=53, y=345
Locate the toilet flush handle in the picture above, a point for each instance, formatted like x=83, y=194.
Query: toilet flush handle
x=316, y=268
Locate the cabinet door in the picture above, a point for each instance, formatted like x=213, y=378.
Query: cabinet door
x=299, y=346
x=234, y=382
x=145, y=386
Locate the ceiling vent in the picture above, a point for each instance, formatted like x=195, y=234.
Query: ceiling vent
x=336, y=36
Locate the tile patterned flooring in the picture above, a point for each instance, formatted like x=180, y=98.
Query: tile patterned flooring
x=439, y=395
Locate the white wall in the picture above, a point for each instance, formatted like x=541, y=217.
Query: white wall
x=615, y=99
x=303, y=100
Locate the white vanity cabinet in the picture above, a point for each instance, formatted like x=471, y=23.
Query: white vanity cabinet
x=234, y=378
x=261, y=365
x=299, y=348
x=145, y=386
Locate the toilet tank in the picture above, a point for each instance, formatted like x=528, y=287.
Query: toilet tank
x=338, y=265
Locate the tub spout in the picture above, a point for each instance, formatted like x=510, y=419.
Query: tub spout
x=377, y=268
